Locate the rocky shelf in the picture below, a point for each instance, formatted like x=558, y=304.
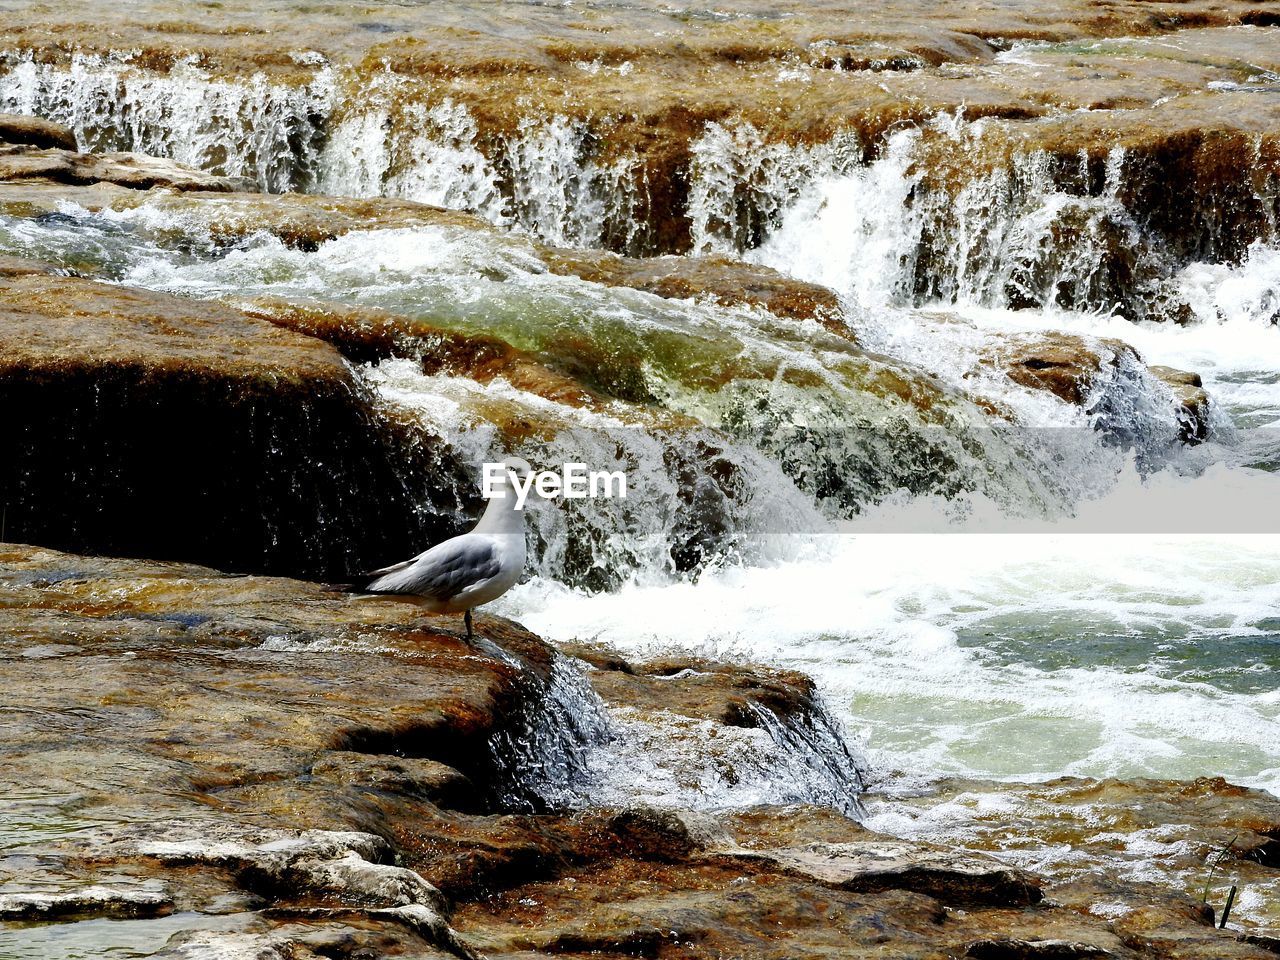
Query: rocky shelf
x=246, y=766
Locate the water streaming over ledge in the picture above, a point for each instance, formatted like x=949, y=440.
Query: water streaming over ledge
x=952, y=210
x=569, y=750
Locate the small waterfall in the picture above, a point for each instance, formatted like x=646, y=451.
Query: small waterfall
x=266, y=131
x=672, y=761
x=950, y=211
x=544, y=177
x=934, y=219
x=853, y=230
x=693, y=497
x=383, y=144
x=833, y=771
x=1246, y=293
x=1030, y=234
x=543, y=761
x=569, y=750
x=741, y=183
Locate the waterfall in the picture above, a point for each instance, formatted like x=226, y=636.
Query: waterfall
x=266, y=131
x=569, y=750
x=951, y=211
x=694, y=497
x=741, y=182
x=542, y=760
x=541, y=178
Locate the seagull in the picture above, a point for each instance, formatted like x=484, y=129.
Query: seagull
x=466, y=571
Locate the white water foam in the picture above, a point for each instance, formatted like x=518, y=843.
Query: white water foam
x=1013, y=657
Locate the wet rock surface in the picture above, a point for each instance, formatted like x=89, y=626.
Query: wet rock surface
x=131, y=170
x=122, y=387
x=1154, y=855
x=35, y=132
x=261, y=764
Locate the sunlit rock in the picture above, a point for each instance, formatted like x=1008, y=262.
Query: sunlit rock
x=35, y=132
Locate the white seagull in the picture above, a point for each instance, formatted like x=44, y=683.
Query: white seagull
x=466, y=571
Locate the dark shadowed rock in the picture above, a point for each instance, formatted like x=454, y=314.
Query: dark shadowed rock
x=174, y=428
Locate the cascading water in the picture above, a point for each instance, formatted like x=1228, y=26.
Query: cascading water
x=268, y=132
x=570, y=750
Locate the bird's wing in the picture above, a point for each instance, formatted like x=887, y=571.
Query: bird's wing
x=442, y=572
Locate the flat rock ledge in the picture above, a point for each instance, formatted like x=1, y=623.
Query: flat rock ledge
x=233, y=766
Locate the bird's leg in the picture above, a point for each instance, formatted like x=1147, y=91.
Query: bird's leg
x=467, y=619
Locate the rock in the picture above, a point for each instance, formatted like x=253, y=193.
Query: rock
x=644, y=115
x=350, y=880
x=691, y=698
x=1137, y=853
x=1191, y=399
x=263, y=757
x=91, y=901
x=404, y=776
x=731, y=695
x=21, y=267
x=306, y=221
x=873, y=865
x=173, y=428
x=193, y=700
x=1098, y=375
x=1013, y=949
x=719, y=279
x=132, y=170
x=1187, y=932
x=1065, y=365
x=35, y=132
x=303, y=938
x=369, y=335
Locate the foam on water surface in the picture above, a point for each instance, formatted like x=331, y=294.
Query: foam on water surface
x=1014, y=657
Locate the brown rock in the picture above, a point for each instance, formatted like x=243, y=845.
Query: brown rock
x=132, y=170
x=1062, y=364
x=170, y=427
x=35, y=132
x=403, y=776
x=719, y=279
x=1081, y=372
x=21, y=267
x=881, y=864
x=1192, y=401
x=1141, y=852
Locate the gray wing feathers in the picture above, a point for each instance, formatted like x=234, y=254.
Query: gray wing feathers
x=442, y=572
